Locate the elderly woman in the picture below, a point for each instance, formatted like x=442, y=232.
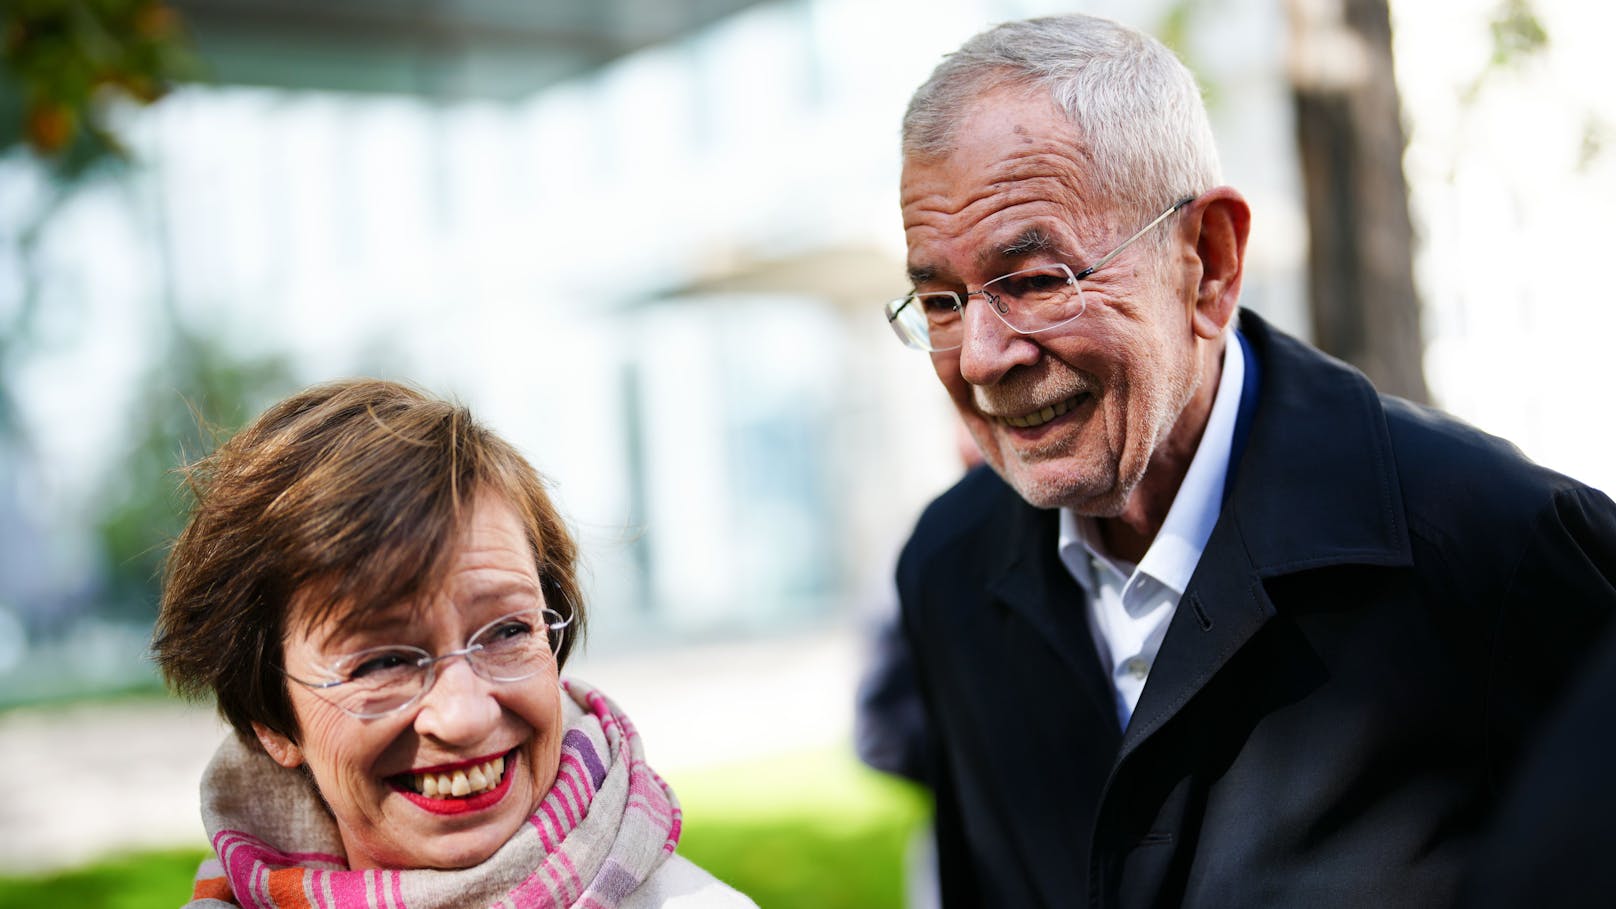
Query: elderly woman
x=380, y=596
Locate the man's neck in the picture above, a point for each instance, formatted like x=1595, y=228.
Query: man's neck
x=1128, y=535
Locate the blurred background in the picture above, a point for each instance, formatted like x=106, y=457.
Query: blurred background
x=647, y=241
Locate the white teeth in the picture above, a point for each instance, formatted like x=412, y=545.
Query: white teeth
x=462, y=782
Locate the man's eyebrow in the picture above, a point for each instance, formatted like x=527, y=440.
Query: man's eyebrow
x=1032, y=241
x=920, y=274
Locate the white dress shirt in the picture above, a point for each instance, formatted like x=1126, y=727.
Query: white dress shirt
x=1129, y=606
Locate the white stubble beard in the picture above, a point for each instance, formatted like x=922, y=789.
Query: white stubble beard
x=1100, y=495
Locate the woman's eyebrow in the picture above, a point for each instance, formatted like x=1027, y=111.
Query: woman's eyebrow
x=396, y=622
x=371, y=625
x=503, y=590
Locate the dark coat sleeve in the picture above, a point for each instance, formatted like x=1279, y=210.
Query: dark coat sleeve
x=1553, y=837
x=935, y=545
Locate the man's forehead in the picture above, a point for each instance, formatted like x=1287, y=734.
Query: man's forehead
x=992, y=158
x=1008, y=103
x=1013, y=240
x=1004, y=220
x=1013, y=180
x=1015, y=167
x=1022, y=180
x=1009, y=114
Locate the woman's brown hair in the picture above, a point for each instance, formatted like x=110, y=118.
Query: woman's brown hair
x=355, y=490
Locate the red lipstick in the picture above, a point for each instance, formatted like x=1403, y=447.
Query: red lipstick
x=478, y=802
x=458, y=765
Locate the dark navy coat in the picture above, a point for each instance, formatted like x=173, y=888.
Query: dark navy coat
x=1388, y=603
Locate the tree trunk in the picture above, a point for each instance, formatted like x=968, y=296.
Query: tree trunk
x=1349, y=134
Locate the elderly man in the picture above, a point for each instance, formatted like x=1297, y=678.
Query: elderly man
x=1221, y=626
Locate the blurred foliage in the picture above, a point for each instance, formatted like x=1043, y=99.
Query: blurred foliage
x=1596, y=137
x=191, y=399
x=1518, y=36
x=149, y=690
x=66, y=62
x=64, y=67
x=808, y=830
x=1517, y=33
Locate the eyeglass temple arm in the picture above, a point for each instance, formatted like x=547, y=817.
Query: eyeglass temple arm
x=1173, y=209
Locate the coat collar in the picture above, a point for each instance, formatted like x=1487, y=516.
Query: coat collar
x=1315, y=483
x=1316, y=486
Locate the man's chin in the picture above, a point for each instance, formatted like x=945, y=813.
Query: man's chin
x=1050, y=486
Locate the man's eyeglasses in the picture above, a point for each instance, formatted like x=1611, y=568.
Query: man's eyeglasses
x=1029, y=301
x=377, y=681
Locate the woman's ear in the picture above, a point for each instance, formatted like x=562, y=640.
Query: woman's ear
x=1223, y=221
x=281, y=749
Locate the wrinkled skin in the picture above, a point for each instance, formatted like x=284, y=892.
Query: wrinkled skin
x=462, y=717
x=1139, y=368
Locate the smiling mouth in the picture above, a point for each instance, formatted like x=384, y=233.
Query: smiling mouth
x=1040, y=417
x=455, y=781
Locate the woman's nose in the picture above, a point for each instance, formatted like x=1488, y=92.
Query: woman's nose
x=460, y=707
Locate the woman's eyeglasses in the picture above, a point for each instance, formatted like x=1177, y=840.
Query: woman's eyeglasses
x=377, y=681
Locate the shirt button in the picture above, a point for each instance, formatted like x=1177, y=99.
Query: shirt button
x=1138, y=667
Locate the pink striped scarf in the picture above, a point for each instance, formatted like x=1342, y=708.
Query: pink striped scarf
x=604, y=828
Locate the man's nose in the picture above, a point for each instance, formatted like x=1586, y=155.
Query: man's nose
x=989, y=347
x=460, y=707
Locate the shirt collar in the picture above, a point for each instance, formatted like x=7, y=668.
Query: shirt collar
x=1172, y=556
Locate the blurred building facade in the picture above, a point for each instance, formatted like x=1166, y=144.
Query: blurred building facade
x=648, y=248
x=657, y=270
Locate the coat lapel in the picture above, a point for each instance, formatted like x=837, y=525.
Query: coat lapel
x=1048, y=670
x=1315, y=486
x=1034, y=583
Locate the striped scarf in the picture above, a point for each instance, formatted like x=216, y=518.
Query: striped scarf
x=604, y=828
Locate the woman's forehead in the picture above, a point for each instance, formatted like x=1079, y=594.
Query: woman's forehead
x=485, y=554
x=466, y=600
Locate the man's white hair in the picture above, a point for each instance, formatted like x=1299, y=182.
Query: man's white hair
x=1136, y=108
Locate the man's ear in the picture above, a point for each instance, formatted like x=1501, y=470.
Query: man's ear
x=1221, y=220
x=283, y=750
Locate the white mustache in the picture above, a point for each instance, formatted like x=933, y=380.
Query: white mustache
x=1027, y=393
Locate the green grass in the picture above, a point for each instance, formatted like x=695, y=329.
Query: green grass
x=810, y=830
x=813, y=829
x=145, y=880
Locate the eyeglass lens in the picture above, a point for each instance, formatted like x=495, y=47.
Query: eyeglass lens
x=379, y=680
x=1030, y=300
